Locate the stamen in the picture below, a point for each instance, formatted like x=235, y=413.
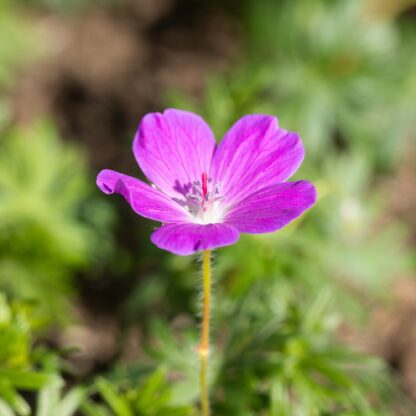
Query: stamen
x=203, y=200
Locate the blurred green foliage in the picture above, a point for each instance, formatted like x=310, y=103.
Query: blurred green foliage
x=335, y=71
x=342, y=73
x=21, y=46
x=51, y=225
x=334, y=68
x=286, y=360
x=272, y=358
x=275, y=359
x=342, y=76
x=150, y=397
x=18, y=359
x=342, y=89
x=52, y=401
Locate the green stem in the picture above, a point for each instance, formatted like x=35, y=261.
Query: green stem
x=204, y=345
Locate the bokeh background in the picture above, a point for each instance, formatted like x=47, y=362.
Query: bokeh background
x=317, y=319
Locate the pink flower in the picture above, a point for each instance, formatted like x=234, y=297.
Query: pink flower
x=207, y=194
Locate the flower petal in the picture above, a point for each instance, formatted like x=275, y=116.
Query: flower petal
x=255, y=153
x=185, y=239
x=173, y=149
x=272, y=207
x=145, y=200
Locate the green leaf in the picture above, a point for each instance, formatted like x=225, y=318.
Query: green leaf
x=118, y=404
x=29, y=380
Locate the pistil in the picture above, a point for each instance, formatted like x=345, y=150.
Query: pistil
x=204, y=182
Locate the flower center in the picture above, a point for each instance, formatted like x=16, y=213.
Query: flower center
x=203, y=201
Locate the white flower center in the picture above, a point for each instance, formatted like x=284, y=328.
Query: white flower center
x=203, y=201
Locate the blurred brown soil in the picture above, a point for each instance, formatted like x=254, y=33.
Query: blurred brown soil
x=395, y=336
x=108, y=68
x=403, y=191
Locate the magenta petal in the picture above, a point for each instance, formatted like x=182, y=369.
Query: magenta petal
x=255, y=153
x=272, y=208
x=173, y=149
x=145, y=200
x=185, y=239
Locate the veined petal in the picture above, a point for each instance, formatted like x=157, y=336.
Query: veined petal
x=145, y=200
x=272, y=207
x=173, y=149
x=255, y=153
x=185, y=239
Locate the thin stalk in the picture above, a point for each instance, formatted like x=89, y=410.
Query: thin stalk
x=204, y=345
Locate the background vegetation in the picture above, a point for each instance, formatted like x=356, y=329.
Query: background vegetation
x=95, y=321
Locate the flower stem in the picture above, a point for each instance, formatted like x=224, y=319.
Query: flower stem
x=204, y=345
